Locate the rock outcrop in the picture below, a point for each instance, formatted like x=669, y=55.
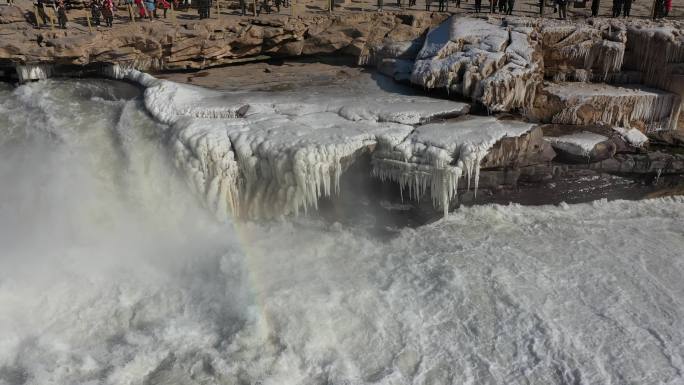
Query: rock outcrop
x=497, y=64
x=202, y=44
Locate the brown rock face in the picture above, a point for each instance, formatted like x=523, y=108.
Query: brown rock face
x=196, y=45
x=527, y=149
x=11, y=14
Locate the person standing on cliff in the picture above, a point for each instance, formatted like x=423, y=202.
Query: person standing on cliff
x=41, y=17
x=61, y=14
x=427, y=5
x=108, y=12
x=562, y=9
x=492, y=5
x=478, y=6
x=164, y=5
x=595, y=7
x=95, y=12
x=511, y=5
x=243, y=7
x=626, y=7
x=141, y=8
x=441, y=5
x=617, y=8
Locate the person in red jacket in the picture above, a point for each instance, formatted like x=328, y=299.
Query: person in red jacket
x=668, y=7
x=108, y=12
x=163, y=4
x=141, y=8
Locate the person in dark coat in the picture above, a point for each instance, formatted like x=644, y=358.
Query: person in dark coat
x=441, y=5
x=478, y=6
x=204, y=8
x=41, y=17
x=562, y=9
x=412, y=3
x=509, y=8
x=617, y=8
x=626, y=7
x=265, y=6
x=502, y=6
x=427, y=5
x=243, y=7
x=61, y=14
x=95, y=11
x=493, y=6
x=595, y=7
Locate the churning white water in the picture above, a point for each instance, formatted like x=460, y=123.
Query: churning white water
x=111, y=272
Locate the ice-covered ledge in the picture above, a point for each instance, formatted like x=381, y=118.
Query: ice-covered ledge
x=263, y=155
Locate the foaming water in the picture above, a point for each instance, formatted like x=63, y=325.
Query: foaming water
x=112, y=272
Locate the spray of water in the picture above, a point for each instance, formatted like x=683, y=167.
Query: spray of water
x=111, y=272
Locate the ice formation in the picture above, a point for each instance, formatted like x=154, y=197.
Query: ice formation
x=583, y=52
x=612, y=105
x=579, y=143
x=262, y=155
x=496, y=65
x=111, y=274
x=657, y=51
x=435, y=156
x=632, y=136
x=28, y=72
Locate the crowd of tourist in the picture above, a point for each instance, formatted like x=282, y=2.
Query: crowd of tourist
x=103, y=11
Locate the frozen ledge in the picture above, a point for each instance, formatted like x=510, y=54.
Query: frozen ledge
x=435, y=156
x=264, y=155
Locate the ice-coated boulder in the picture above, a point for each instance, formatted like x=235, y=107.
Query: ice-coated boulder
x=630, y=106
x=435, y=156
x=592, y=51
x=498, y=65
x=582, y=147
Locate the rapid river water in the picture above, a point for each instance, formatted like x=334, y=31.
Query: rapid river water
x=112, y=272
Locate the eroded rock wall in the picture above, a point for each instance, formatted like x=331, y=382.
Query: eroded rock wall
x=196, y=45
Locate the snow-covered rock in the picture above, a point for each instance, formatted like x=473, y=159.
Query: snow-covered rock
x=628, y=106
x=262, y=155
x=435, y=156
x=583, y=146
x=582, y=51
x=632, y=136
x=500, y=66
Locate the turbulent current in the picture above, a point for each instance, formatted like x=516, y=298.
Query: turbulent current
x=113, y=272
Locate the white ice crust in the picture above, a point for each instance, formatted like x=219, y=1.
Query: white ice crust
x=633, y=136
x=262, y=155
x=496, y=65
x=437, y=155
x=579, y=143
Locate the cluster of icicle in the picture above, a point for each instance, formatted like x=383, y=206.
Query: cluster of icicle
x=598, y=48
x=224, y=168
x=26, y=72
x=496, y=65
x=253, y=161
x=658, y=110
x=655, y=51
x=417, y=162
